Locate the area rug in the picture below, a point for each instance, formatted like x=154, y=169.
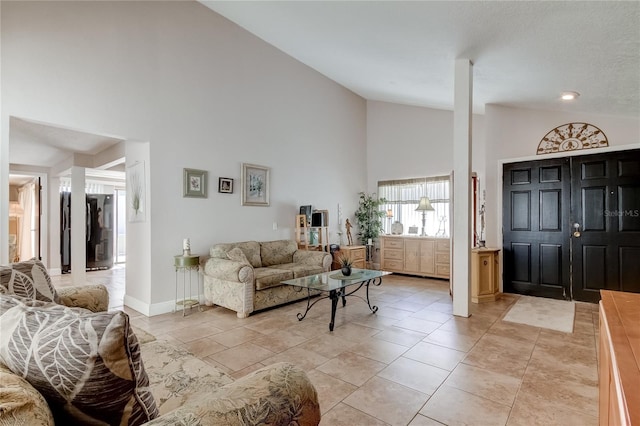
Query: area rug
x=541, y=312
x=143, y=336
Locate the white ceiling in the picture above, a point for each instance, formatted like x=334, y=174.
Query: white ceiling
x=525, y=53
x=52, y=144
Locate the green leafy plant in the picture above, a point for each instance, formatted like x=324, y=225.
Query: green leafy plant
x=369, y=217
x=344, y=260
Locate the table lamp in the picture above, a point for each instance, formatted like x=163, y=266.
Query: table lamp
x=389, y=218
x=424, y=207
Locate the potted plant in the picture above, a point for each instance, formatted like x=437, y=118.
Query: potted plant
x=369, y=217
x=345, y=262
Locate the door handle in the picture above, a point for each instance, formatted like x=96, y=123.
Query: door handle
x=576, y=230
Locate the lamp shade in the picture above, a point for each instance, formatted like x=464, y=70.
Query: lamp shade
x=425, y=205
x=389, y=213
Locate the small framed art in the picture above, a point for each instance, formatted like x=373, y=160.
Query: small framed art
x=255, y=185
x=225, y=185
x=195, y=183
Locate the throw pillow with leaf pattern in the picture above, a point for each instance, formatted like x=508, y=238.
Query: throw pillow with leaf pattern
x=28, y=279
x=87, y=365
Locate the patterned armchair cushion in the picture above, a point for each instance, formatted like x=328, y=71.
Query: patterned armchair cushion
x=251, y=250
x=277, y=252
x=28, y=279
x=20, y=403
x=176, y=376
x=86, y=365
x=94, y=297
x=279, y=394
x=237, y=255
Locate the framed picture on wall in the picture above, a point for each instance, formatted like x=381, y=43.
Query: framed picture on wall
x=225, y=185
x=255, y=185
x=194, y=183
x=136, y=193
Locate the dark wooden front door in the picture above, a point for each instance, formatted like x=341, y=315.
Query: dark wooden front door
x=571, y=226
x=535, y=228
x=606, y=216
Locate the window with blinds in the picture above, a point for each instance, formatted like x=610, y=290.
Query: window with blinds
x=403, y=197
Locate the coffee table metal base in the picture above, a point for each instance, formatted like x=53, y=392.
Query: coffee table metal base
x=341, y=293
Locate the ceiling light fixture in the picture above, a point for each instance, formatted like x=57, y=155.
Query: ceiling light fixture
x=569, y=96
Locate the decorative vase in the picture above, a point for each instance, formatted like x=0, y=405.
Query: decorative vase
x=346, y=271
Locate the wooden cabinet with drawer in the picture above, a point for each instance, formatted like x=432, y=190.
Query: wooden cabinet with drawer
x=485, y=275
x=424, y=256
x=392, y=254
x=357, y=254
x=443, y=263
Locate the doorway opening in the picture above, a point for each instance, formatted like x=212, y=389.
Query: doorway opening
x=25, y=217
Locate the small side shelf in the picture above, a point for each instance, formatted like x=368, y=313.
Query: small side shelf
x=311, y=237
x=188, y=265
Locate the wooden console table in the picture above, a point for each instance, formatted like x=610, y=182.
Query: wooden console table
x=619, y=358
x=424, y=256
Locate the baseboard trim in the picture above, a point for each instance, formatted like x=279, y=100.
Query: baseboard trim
x=150, y=310
x=136, y=304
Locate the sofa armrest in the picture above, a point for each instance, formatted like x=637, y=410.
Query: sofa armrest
x=230, y=284
x=279, y=394
x=228, y=270
x=93, y=297
x=316, y=258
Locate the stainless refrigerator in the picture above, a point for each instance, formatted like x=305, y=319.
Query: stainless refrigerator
x=99, y=231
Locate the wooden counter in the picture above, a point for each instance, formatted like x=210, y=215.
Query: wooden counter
x=619, y=372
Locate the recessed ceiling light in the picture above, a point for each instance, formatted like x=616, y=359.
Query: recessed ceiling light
x=569, y=96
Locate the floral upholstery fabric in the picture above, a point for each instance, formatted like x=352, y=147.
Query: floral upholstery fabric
x=315, y=258
x=300, y=269
x=87, y=365
x=271, y=277
x=176, y=376
x=238, y=255
x=245, y=289
x=28, y=279
x=93, y=297
x=251, y=250
x=279, y=295
x=277, y=252
x=21, y=403
x=280, y=394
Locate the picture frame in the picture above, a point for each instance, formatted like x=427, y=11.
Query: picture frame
x=255, y=185
x=225, y=185
x=194, y=183
x=136, y=192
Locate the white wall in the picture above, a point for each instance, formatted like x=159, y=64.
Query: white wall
x=408, y=141
x=204, y=94
x=514, y=134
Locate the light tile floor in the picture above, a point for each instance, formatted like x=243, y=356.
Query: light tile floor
x=412, y=363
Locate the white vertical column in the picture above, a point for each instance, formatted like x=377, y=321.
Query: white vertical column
x=4, y=189
x=462, y=113
x=78, y=227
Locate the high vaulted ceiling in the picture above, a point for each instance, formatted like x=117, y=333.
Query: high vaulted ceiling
x=525, y=53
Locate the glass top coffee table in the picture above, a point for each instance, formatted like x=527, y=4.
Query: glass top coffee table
x=336, y=284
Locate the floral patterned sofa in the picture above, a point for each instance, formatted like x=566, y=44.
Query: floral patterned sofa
x=246, y=276
x=61, y=365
